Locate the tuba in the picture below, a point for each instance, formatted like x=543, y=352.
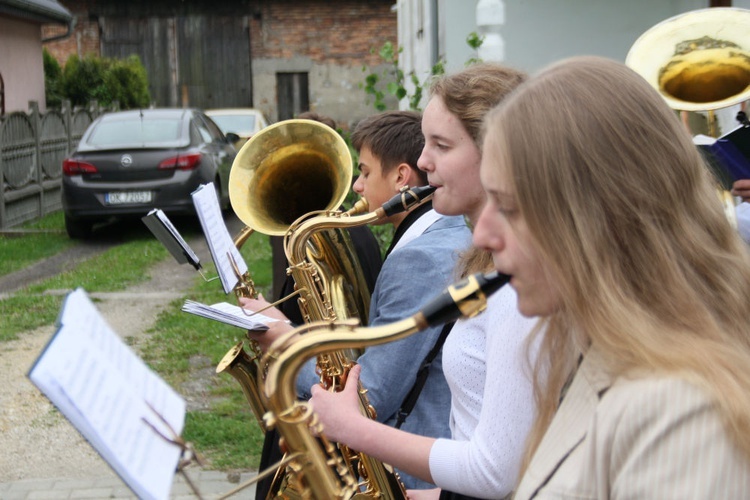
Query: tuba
x=320, y=472
x=284, y=172
x=289, y=179
x=699, y=62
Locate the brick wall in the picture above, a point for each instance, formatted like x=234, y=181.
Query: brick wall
x=83, y=41
x=331, y=40
x=339, y=32
x=333, y=31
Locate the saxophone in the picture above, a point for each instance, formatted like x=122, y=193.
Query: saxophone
x=320, y=472
x=326, y=271
x=287, y=170
x=321, y=300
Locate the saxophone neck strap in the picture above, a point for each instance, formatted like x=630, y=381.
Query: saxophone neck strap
x=424, y=369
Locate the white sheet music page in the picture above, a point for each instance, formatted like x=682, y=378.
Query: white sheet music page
x=219, y=241
x=111, y=396
x=229, y=314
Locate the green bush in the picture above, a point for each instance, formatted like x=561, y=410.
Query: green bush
x=52, y=80
x=105, y=80
x=128, y=83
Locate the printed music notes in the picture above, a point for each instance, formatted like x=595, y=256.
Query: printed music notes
x=229, y=314
x=122, y=408
x=220, y=244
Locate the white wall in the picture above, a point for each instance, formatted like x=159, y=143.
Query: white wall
x=21, y=64
x=539, y=32
x=536, y=32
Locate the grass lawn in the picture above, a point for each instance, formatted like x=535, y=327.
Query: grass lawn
x=181, y=348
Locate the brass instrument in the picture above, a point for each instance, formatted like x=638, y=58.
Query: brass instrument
x=699, y=61
x=332, y=365
x=283, y=172
x=321, y=300
x=320, y=472
x=288, y=179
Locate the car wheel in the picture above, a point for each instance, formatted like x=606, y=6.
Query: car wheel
x=78, y=229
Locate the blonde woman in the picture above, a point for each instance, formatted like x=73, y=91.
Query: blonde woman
x=492, y=405
x=601, y=209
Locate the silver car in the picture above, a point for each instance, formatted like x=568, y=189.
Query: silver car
x=129, y=162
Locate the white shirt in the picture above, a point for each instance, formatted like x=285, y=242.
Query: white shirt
x=492, y=406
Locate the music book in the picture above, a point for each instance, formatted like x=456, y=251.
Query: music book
x=112, y=398
x=728, y=156
x=220, y=244
x=229, y=314
x=160, y=225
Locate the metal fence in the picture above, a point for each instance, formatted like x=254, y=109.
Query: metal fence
x=32, y=148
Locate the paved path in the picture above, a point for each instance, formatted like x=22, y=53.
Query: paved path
x=210, y=484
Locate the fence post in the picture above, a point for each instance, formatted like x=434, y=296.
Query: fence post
x=36, y=123
x=3, y=221
x=68, y=122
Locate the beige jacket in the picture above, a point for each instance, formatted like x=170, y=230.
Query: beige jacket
x=651, y=437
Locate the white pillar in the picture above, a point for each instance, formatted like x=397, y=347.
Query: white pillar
x=490, y=18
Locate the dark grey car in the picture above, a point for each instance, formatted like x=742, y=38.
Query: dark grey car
x=129, y=162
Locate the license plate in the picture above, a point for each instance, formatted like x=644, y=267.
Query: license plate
x=127, y=197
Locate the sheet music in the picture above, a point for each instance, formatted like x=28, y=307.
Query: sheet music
x=104, y=389
x=229, y=314
x=219, y=241
x=160, y=225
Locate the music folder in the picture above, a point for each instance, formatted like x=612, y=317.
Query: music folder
x=128, y=414
x=728, y=156
x=160, y=225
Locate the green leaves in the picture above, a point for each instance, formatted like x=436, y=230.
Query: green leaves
x=396, y=79
x=105, y=80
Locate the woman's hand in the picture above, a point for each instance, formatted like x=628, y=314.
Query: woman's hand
x=741, y=188
x=275, y=329
x=432, y=494
x=339, y=412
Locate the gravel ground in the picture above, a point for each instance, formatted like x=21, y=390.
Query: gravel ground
x=37, y=442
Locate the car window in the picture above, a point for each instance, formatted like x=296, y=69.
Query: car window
x=216, y=133
x=139, y=131
x=209, y=131
x=204, y=131
x=235, y=123
x=195, y=135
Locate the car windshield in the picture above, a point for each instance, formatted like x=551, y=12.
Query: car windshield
x=235, y=123
x=154, y=132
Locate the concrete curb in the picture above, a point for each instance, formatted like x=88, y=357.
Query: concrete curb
x=210, y=484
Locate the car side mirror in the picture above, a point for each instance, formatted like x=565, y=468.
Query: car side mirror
x=232, y=137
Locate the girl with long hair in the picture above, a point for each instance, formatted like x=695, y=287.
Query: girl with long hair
x=492, y=405
x=601, y=209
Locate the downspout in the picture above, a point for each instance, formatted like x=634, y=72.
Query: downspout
x=434, y=33
x=68, y=32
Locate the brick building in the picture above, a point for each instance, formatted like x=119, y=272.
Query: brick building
x=282, y=56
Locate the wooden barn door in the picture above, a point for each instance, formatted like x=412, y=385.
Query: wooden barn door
x=192, y=61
